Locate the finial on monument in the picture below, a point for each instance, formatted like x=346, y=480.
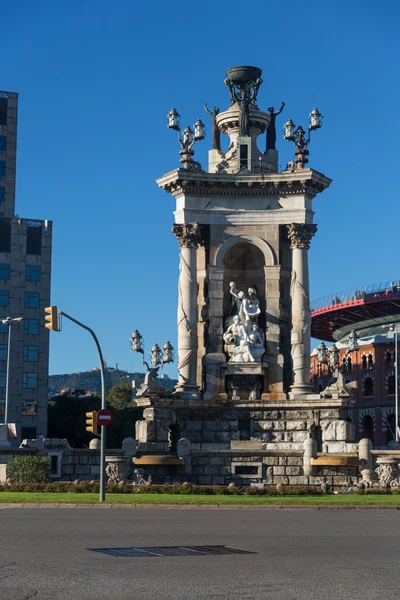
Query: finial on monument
x=243, y=84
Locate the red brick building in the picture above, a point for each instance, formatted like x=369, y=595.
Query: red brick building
x=369, y=312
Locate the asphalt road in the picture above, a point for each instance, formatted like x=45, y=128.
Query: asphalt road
x=300, y=555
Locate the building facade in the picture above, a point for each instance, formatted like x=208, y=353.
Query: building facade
x=368, y=371
x=25, y=269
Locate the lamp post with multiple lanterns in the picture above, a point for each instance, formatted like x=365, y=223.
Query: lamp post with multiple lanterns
x=158, y=357
x=187, y=138
x=330, y=357
x=300, y=138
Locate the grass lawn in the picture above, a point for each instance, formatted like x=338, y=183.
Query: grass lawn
x=351, y=499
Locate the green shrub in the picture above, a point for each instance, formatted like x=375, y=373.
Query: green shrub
x=29, y=469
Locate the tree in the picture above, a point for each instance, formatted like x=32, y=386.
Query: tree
x=119, y=396
x=67, y=419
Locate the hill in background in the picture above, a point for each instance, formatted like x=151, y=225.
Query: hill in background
x=91, y=381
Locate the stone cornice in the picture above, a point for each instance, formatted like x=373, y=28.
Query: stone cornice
x=300, y=182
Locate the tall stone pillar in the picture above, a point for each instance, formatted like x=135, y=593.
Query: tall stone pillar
x=300, y=235
x=189, y=238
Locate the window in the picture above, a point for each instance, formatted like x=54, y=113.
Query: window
x=368, y=387
x=3, y=351
x=5, y=235
x=370, y=361
x=34, y=239
x=388, y=359
x=391, y=385
x=29, y=408
x=3, y=142
x=2, y=193
x=32, y=299
x=28, y=433
x=363, y=362
x=4, y=271
x=2, y=168
x=32, y=273
x=2, y=379
x=31, y=326
x=3, y=327
x=30, y=380
x=31, y=353
x=4, y=299
x=3, y=111
x=55, y=464
x=243, y=149
x=349, y=364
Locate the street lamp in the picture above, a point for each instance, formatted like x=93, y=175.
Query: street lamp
x=158, y=357
x=187, y=138
x=394, y=331
x=300, y=138
x=10, y=322
x=331, y=357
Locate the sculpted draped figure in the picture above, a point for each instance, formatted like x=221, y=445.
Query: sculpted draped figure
x=244, y=342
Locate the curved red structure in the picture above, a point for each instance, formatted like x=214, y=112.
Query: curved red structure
x=337, y=311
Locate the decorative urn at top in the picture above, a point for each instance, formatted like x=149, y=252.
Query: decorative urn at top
x=243, y=75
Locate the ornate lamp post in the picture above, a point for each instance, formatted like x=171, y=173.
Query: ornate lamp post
x=187, y=139
x=158, y=357
x=300, y=138
x=331, y=358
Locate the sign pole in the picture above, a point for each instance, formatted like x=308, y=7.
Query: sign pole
x=103, y=406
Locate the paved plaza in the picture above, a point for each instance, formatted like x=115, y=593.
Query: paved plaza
x=299, y=554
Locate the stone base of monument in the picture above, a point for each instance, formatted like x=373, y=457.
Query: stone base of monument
x=243, y=441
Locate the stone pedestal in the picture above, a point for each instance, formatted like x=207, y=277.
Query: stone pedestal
x=118, y=468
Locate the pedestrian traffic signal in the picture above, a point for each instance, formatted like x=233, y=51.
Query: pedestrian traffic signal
x=91, y=421
x=51, y=318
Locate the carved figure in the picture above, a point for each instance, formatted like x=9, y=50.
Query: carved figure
x=271, y=131
x=244, y=118
x=244, y=342
x=216, y=134
x=251, y=308
x=236, y=300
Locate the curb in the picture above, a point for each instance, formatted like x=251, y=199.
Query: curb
x=201, y=506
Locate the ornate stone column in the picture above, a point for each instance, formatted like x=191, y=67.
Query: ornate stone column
x=300, y=235
x=189, y=238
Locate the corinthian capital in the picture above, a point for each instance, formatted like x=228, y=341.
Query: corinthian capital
x=300, y=235
x=188, y=234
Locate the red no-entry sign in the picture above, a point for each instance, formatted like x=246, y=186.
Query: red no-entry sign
x=104, y=417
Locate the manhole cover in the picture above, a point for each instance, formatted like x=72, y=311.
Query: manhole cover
x=170, y=551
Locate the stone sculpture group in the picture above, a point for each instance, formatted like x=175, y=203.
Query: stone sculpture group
x=244, y=341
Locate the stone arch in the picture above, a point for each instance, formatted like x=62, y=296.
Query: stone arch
x=368, y=387
x=390, y=382
x=366, y=412
x=386, y=414
x=266, y=249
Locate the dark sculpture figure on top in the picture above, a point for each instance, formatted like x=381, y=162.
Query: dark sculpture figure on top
x=271, y=131
x=216, y=134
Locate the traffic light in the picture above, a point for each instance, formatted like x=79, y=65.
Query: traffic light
x=91, y=421
x=51, y=318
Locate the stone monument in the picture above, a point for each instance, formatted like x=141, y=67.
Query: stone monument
x=244, y=232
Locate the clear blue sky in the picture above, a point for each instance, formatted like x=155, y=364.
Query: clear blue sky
x=96, y=79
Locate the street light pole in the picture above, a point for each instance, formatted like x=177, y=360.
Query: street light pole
x=9, y=321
